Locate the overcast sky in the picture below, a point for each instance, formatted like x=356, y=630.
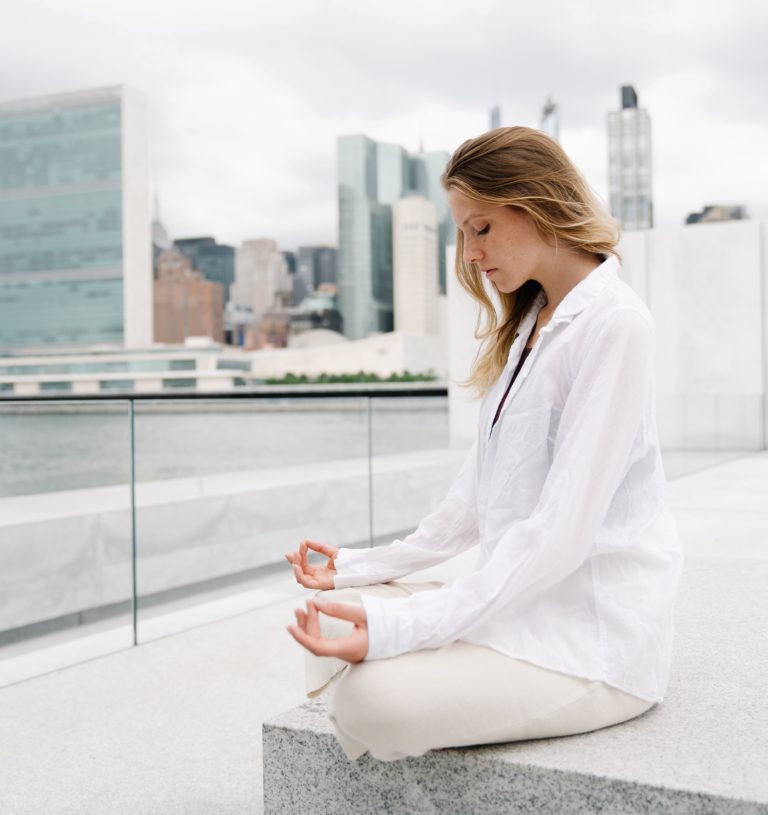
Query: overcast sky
x=246, y=99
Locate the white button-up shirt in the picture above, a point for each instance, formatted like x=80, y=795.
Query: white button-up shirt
x=579, y=558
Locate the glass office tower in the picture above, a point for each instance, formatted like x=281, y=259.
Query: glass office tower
x=629, y=163
x=75, y=241
x=359, y=238
x=372, y=177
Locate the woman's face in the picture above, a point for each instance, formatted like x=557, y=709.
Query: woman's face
x=501, y=240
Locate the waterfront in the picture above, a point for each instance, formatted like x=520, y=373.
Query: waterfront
x=79, y=446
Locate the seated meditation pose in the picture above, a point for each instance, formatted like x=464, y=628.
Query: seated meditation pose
x=564, y=625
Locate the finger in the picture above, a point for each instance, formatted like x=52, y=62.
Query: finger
x=323, y=548
x=301, y=619
x=303, y=556
x=313, y=620
x=318, y=646
x=344, y=611
x=306, y=580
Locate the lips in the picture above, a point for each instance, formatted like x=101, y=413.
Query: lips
x=489, y=272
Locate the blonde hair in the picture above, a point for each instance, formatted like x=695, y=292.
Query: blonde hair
x=527, y=169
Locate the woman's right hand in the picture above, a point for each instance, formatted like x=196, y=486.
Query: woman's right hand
x=313, y=577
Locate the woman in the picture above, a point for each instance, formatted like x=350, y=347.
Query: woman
x=565, y=624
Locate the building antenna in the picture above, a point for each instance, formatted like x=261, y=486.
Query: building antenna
x=550, y=118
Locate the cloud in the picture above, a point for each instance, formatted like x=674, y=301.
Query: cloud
x=247, y=100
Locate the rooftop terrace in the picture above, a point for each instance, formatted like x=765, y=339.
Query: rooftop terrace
x=174, y=726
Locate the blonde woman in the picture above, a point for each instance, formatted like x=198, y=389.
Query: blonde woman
x=565, y=623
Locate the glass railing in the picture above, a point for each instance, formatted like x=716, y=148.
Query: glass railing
x=123, y=518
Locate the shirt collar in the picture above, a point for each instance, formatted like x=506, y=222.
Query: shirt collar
x=577, y=299
x=586, y=290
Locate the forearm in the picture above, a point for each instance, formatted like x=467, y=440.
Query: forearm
x=448, y=530
x=362, y=567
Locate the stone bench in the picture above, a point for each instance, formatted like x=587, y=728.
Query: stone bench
x=704, y=750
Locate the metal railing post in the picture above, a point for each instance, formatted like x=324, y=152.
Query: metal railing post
x=370, y=473
x=134, y=581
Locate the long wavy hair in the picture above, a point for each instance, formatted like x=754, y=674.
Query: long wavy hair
x=527, y=169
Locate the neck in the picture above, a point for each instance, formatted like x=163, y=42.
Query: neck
x=566, y=270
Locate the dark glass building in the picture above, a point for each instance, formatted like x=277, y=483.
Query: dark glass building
x=216, y=261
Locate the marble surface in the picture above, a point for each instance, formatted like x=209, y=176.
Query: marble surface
x=705, y=749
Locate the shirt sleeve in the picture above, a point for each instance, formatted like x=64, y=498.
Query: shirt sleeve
x=602, y=416
x=446, y=532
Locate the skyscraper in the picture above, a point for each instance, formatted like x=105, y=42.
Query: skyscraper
x=315, y=266
x=75, y=238
x=216, y=261
x=427, y=168
x=365, y=238
x=326, y=265
x=372, y=177
x=261, y=276
x=629, y=163
x=415, y=240
x=186, y=304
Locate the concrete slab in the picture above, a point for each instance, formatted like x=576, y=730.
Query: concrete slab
x=705, y=749
x=171, y=727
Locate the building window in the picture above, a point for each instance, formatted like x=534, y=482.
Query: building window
x=116, y=385
x=55, y=386
x=233, y=365
x=171, y=384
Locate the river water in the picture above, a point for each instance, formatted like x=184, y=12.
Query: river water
x=52, y=447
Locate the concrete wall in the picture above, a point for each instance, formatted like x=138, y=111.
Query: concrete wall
x=707, y=288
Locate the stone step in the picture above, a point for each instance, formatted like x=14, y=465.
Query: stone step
x=704, y=750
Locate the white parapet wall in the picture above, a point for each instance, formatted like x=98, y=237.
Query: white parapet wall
x=707, y=288
x=65, y=553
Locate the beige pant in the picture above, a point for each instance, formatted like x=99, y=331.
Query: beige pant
x=457, y=695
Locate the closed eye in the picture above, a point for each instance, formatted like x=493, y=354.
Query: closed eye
x=485, y=230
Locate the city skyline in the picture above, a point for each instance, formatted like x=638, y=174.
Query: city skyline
x=245, y=107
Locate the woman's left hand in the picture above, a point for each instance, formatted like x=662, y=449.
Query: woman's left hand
x=352, y=648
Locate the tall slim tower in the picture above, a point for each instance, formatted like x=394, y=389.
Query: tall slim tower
x=426, y=171
x=415, y=240
x=630, y=163
x=75, y=221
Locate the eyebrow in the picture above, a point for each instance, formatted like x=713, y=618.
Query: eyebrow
x=471, y=216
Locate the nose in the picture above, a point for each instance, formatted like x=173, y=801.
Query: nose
x=471, y=252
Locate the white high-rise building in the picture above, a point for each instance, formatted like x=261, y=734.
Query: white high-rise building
x=261, y=275
x=415, y=243
x=629, y=163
